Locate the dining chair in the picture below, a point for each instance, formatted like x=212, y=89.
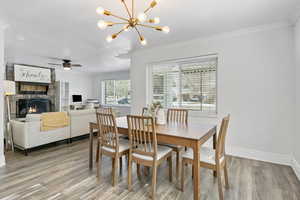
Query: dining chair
x=211, y=159
x=144, y=149
x=103, y=110
x=176, y=115
x=110, y=144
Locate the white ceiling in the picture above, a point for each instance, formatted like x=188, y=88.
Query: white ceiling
x=68, y=28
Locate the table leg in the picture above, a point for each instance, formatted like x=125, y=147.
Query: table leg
x=215, y=140
x=196, y=169
x=215, y=146
x=91, y=148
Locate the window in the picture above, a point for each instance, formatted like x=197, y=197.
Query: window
x=116, y=92
x=189, y=84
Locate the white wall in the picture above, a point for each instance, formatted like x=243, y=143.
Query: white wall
x=2, y=70
x=80, y=83
x=256, y=85
x=296, y=139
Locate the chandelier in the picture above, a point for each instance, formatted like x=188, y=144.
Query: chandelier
x=132, y=22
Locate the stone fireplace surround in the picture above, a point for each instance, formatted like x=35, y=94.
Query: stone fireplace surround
x=48, y=95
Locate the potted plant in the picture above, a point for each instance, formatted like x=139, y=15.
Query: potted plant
x=155, y=110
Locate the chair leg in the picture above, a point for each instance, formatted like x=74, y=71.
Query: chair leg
x=129, y=172
x=182, y=175
x=170, y=168
x=215, y=173
x=226, y=176
x=154, y=181
x=177, y=163
x=219, y=183
x=115, y=168
x=97, y=152
x=146, y=170
x=121, y=163
x=99, y=165
x=193, y=171
x=138, y=170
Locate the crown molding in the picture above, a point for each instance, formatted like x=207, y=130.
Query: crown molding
x=224, y=35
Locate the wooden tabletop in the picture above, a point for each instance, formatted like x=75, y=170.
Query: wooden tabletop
x=190, y=131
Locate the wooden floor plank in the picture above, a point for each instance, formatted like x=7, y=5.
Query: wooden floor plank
x=62, y=172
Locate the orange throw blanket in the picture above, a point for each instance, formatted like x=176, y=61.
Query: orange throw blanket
x=54, y=120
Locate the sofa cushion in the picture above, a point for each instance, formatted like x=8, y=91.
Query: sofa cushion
x=33, y=117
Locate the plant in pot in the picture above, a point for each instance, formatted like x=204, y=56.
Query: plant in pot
x=156, y=111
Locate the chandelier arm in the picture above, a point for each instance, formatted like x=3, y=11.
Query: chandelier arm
x=147, y=9
x=132, y=7
x=137, y=30
x=149, y=26
x=123, y=1
x=122, y=18
x=116, y=23
x=152, y=5
x=118, y=33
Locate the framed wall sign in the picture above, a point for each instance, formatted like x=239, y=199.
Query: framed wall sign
x=32, y=74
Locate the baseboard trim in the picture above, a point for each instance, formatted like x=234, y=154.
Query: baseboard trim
x=277, y=158
x=296, y=167
x=2, y=160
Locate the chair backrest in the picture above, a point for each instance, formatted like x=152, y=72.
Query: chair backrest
x=142, y=135
x=177, y=115
x=103, y=110
x=108, y=131
x=220, y=148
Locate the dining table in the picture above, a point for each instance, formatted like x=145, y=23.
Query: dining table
x=192, y=135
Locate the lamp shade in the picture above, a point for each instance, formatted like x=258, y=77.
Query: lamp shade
x=9, y=87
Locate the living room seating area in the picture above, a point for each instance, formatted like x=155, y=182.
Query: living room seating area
x=27, y=131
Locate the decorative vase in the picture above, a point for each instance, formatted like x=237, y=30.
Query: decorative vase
x=160, y=117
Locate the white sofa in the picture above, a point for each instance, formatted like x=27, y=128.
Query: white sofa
x=27, y=133
x=80, y=120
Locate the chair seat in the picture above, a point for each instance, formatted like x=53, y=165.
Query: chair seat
x=123, y=146
x=207, y=155
x=161, y=152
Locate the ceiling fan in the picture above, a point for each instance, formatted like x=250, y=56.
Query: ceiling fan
x=67, y=64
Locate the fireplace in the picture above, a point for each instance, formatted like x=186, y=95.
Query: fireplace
x=32, y=106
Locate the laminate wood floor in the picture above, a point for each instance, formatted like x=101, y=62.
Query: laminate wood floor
x=61, y=172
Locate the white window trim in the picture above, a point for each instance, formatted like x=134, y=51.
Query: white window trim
x=193, y=113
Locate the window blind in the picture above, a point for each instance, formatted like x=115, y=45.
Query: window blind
x=189, y=84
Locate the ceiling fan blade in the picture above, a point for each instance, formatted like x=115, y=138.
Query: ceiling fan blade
x=76, y=65
x=56, y=58
x=54, y=64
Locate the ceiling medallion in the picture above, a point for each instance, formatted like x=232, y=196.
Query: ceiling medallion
x=132, y=22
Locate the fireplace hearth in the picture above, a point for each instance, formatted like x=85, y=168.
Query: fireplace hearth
x=32, y=106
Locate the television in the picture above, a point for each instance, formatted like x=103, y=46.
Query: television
x=76, y=98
